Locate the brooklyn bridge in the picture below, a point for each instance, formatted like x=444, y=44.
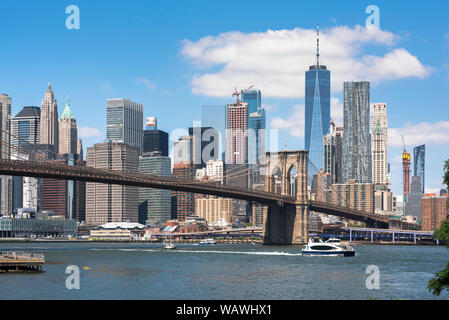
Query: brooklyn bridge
x=285, y=210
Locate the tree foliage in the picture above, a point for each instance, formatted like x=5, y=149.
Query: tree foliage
x=441, y=281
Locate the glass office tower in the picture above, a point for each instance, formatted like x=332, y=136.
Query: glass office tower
x=256, y=124
x=214, y=116
x=317, y=113
x=419, y=155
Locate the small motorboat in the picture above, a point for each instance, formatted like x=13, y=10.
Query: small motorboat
x=169, y=245
x=332, y=247
x=206, y=242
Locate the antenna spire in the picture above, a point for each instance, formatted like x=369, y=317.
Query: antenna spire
x=318, y=45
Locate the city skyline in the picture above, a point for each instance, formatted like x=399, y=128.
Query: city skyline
x=399, y=91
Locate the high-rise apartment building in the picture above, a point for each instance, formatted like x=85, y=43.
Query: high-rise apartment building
x=317, y=109
x=49, y=130
x=125, y=122
x=419, y=163
x=154, y=204
x=379, y=144
x=68, y=132
x=354, y=195
x=112, y=203
x=435, y=210
x=236, y=133
x=357, y=156
x=405, y=173
x=214, y=209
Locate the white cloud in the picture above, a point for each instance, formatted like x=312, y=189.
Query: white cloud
x=337, y=111
x=421, y=133
x=275, y=61
x=87, y=132
x=294, y=124
x=146, y=82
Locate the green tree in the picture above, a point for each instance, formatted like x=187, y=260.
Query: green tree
x=441, y=281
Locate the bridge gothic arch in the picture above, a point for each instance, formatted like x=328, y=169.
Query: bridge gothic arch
x=286, y=223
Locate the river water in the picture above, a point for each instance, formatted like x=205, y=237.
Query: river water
x=147, y=271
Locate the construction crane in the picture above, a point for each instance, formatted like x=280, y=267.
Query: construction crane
x=237, y=93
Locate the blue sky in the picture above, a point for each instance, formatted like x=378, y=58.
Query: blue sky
x=175, y=56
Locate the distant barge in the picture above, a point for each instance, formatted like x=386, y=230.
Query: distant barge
x=21, y=262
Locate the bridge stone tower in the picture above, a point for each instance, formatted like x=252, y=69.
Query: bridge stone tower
x=286, y=223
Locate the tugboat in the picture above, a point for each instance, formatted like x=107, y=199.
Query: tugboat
x=332, y=247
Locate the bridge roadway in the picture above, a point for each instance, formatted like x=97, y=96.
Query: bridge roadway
x=62, y=171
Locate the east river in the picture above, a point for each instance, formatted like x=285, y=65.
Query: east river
x=147, y=271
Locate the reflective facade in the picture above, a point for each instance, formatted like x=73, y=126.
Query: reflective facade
x=419, y=162
x=317, y=111
x=357, y=157
x=125, y=122
x=154, y=204
x=215, y=117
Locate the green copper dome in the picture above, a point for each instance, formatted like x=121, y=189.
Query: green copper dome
x=67, y=114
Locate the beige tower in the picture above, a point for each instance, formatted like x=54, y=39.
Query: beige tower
x=49, y=133
x=379, y=145
x=112, y=203
x=5, y=153
x=68, y=133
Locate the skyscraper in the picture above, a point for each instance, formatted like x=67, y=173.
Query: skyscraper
x=112, y=203
x=205, y=145
x=154, y=140
x=332, y=158
x=413, y=205
x=68, y=132
x=5, y=153
x=256, y=125
x=183, y=168
x=236, y=133
x=419, y=163
x=215, y=117
x=154, y=204
x=49, y=131
x=379, y=144
x=25, y=127
x=405, y=173
x=357, y=155
x=125, y=122
x=317, y=109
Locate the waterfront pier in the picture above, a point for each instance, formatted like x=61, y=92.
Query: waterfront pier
x=21, y=262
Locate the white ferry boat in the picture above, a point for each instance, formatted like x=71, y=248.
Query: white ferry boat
x=206, y=242
x=169, y=245
x=332, y=247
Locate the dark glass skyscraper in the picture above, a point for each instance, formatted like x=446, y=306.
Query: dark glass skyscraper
x=215, y=117
x=317, y=111
x=419, y=156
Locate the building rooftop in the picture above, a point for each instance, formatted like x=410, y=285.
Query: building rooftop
x=122, y=225
x=30, y=111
